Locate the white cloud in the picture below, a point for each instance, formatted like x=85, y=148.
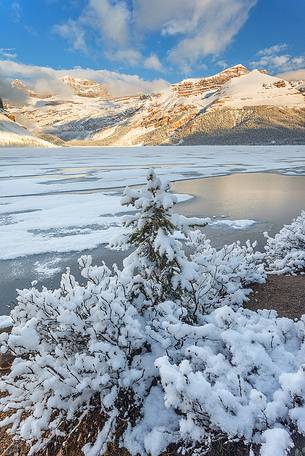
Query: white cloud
x=110, y=19
x=153, y=63
x=215, y=24
x=47, y=79
x=272, y=49
x=74, y=33
x=198, y=27
x=274, y=59
x=16, y=11
x=222, y=64
x=201, y=27
x=295, y=75
x=131, y=57
x=161, y=15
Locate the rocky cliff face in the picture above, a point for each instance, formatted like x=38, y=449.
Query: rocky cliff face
x=189, y=87
x=86, y=88
x=252, y=108
x=233, y=106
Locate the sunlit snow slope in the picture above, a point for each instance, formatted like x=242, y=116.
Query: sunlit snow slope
x=13, y=134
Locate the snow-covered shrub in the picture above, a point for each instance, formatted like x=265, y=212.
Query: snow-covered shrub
x=241, y=375
x=80, y=347
x=224, y=275
x=285, y=253
x=73, y=349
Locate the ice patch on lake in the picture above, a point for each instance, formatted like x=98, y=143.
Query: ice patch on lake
x=234, y=224
x=59, y=223
x=47, y=268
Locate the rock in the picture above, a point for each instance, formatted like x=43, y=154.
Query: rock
x=5, y=361
x=280, y=83
x=10, y=116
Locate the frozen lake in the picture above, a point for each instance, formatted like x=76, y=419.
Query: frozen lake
x=56, y=203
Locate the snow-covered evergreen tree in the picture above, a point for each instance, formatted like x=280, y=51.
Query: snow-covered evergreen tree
x=158, y=266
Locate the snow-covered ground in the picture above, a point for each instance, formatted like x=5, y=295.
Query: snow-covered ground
x=63, y=200
x=15, y=135
x=258, y=89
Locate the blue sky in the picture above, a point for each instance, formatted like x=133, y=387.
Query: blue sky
x=167, y=39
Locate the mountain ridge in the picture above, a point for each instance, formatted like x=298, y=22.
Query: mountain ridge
x=272, y=109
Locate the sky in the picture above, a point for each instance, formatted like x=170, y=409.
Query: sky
x=147, y=42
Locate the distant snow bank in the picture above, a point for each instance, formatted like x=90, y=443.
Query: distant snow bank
x=8, y=139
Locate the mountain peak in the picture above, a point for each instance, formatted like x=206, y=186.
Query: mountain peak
x=24, y=88
x=85, y=87
x=237, y=66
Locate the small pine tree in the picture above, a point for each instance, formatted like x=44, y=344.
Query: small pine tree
x=159, y=267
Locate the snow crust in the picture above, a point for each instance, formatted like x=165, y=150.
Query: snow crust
x=60, y=222
x=234, y=224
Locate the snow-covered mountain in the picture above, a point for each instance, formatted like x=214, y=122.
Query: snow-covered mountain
x=233, y=106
